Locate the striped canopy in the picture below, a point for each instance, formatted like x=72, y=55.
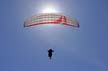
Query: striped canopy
x=50, y=18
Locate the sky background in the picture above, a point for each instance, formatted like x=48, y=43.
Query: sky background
x=76, y=49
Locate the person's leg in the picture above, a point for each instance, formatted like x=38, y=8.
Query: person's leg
x=50, y=55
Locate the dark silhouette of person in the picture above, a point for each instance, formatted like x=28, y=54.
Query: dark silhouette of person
x=50, y=53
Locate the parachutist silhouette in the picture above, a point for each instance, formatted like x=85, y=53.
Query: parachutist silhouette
x=50, y=53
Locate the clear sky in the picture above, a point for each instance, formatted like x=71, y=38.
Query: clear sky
x=76, y=49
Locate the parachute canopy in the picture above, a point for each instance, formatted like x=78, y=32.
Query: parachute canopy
x=50, y=18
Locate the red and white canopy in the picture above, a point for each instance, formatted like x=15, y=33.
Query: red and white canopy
x=50, y=18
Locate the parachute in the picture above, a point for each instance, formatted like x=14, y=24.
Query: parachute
x=50, y=18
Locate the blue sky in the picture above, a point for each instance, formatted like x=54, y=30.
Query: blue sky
x=76, y=49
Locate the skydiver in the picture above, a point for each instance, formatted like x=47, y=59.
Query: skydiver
x=50, y=53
